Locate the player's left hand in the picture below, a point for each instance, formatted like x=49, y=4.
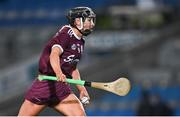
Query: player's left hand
x=84, y=93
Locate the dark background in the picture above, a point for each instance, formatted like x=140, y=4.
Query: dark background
x=137, y=39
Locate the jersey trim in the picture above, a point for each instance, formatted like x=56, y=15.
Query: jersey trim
x=71, y=31
x=59, y=46
x=75, y=34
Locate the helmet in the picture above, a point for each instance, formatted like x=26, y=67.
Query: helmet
x=81, y=12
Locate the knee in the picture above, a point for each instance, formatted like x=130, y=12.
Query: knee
x=81, y=113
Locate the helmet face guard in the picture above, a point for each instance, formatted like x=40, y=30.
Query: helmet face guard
x=86, y=32
x=81, y=12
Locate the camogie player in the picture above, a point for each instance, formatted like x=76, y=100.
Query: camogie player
x=60, y=58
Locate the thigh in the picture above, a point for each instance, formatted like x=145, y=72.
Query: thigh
x=30, y=109
x=70, y=106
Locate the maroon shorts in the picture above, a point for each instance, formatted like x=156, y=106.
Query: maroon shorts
x=47, y=92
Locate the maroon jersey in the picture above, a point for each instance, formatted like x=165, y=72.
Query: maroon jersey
x=72, y=47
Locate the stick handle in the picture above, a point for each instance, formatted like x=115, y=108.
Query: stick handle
x=68, y=80
x=78, y=82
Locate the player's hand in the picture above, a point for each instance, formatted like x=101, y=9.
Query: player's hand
x=61, y=77
x=84, y=96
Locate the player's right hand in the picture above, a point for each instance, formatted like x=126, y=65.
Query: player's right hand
x=61, y=77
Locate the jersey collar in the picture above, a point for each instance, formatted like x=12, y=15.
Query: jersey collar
x=77, y=37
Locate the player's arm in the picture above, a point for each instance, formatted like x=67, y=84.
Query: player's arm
x=82, y=89
x=55, y=62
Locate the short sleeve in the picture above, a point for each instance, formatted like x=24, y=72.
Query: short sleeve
x=61, y=40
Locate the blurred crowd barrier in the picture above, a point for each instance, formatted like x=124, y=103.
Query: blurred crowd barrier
x=15, y=80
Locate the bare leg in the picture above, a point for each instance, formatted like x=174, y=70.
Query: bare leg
x=30, y=109
x=70, y=106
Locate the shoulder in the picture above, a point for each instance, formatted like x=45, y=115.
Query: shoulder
x=66, y=29
x=62, y=32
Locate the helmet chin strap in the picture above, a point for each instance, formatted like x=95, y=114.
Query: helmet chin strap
x=80, y=28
